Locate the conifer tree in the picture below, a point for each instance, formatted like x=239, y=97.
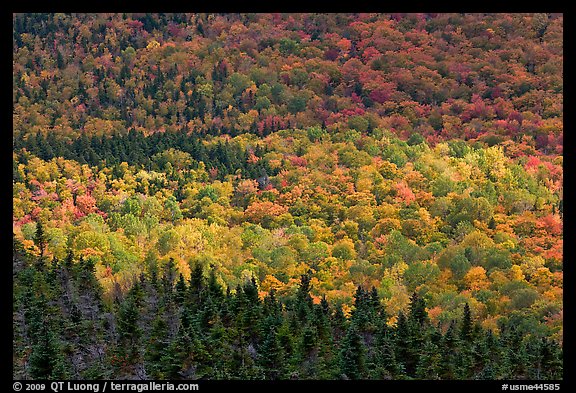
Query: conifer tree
x=128, y=317
x=180, y=294
x=156, y=347
x=41, y=241
x=418, y=316
x=214, y=288
x=551, y=360
x=271, y=357
x=428, y=362
x=360, y=314
x=303, y=299
x=466, y=328
x=41, y=358
x=406, y=345
x=352, y=355
x=448, y=347
x=46, y=359
x=196, y=287
x=467, y=345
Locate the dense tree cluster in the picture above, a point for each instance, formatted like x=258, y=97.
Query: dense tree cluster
x=288, y=195
x=460, y=223
x=168, y=327
x=477, y=76
x=137, y=149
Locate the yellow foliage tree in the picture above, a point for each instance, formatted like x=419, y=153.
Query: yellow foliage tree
x=476, y=278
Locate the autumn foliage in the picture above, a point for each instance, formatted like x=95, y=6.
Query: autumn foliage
x=409, y=153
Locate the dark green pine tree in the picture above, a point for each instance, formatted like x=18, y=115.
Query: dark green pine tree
x=402, y=342
x=492, y=223
x=429, y=362
x=251, y=309
x=327, y=354
x=47, y=360
x=352, y=355
x=376, y=306
x=196, y=354
x=174, y=358
x=215, y=290
x=467, y=345
x=151, y=264
x=412, y=333
x=272, y=308
x=307, y=352
x=128, y=317
x=449, y=354
x=338, y=323
x=271, y=356
x=328, y=360
x=487, y=373
x=69, y=261
x=551, y=360
x=17, y=176
x=466, y=327
x=418, y=316
x=181, y=289
x=41, y=241
x=512, y=362
x=156, y=347
x=384, y=364
x=59, y=60
x=542, y=358
x=207, y=315
x=361, y=313
x=196, y=287
x=86, y=278
x=287, y=342
x=487, y=353
x=41, y=359
x=247, y=310
x=303, y=303
x=220, y=348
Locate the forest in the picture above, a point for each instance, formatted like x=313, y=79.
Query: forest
x=288, y=196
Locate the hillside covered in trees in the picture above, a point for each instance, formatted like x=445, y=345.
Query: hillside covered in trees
x=288, y=196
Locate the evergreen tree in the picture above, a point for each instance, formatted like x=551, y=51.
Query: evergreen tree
x=449, y=354
x=551, y=360
x=174, y=357
x=466, y=327
x=181, y=290
x=303, y=303
x=157, y=347
x=486, y=356
x=271, y=357
x=418, y=316
x=383, y=363
x=361, y=311
x=128, y=317
x=197, y=285
x=41, y=358
x=467, y=345
x=429, y=361
x=46, y=360
x=352, y=355
x=288, y=345
x=214, y=288
x=69, y=261
x=41, y=241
